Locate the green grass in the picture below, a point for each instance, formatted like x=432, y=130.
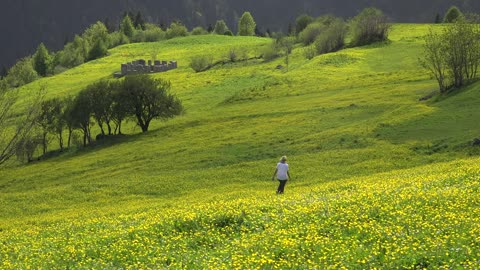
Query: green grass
x=376, y=172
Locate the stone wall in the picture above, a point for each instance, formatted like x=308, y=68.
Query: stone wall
x=141, y=67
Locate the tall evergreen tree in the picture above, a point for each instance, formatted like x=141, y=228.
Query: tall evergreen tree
x=3, y=72
x=126, y=27
x=41, y=60
x=139, y=22
x=110, y=26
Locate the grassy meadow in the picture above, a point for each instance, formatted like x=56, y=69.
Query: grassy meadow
x=380, y=179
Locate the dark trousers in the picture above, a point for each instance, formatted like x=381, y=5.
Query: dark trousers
x=281, y=186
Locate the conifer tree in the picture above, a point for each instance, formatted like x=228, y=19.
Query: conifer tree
x=41, y=60
x=126, y=27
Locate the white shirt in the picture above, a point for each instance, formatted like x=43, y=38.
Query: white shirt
x=282, y=169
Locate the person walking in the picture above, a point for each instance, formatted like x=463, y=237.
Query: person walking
x=282, y=174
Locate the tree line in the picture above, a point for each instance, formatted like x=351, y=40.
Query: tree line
x=106, y=104
x=319, y=35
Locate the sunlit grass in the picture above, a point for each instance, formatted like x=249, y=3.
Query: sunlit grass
x=375, y=171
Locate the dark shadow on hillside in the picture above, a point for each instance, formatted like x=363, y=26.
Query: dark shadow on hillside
x=452, y=126
x=96, y=145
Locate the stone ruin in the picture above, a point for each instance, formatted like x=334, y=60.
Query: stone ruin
x=141, y=66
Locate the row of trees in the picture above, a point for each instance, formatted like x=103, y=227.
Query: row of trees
x=320, y=35
x=106, y=104
x=99, y=37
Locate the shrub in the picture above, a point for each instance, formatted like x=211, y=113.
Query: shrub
x=200, y=63
x=138, y=36
x=271, y=52
x=21, y=73
x=117, y=39
x=369, y=26
x=220, y=27
x=97, y=32
x=310, y=52
x=154, y=33
x=332, y=38
x=228, y=33
x=302, y=22
x=74, y=53
x=176, y=30
x=235, y=54
x=98, y=50
x=310, y=33
x=452, y=15
x=199, y=31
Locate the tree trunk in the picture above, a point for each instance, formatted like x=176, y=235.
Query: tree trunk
x=44, y=142
x=143, y=124
x=70, y=132
x=109, y=127
x=101, y=128
x=60, y=140
x=84, y=138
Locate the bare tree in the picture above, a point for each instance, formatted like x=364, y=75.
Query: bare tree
x=14, y=129
x=434, y=60
x=453, y=56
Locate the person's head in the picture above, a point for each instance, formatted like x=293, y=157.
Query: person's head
x=283, y=159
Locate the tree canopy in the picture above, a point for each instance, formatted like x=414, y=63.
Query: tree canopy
x=246, y=25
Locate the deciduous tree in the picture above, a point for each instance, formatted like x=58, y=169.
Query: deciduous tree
x=246, y=25
x=150, y=99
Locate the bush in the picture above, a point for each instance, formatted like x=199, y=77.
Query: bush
x=310, y=52
x=154, y=33
x=117, y=39
x=310, y=33
x=221, y=27
x=200, y=63
x=74, y=53
x=176, y=30
x=235, y=54
x=271, y=52
x=332, y=38
x=199, y=31
x=369, y=26
x=97, y=32
x=21, y=73
x=302, y=22
x=138, y=36
x=228, y=33
x=25, y=149
x=98, y=50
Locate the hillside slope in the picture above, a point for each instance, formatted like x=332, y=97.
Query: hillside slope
x=348, y=115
